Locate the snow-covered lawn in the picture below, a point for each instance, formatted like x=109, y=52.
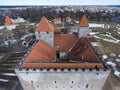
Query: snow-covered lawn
x=4, y=80
x=9, y=74
x=96, y=25
x=1, y=27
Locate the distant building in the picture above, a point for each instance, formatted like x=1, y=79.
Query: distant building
x=68, y=19
x=19, y=20
x=62, y=61
x=57, y=20
x=9, y=23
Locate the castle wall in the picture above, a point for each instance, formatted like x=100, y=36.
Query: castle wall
x=62, y=79
x=47, y=37
x=82, y=31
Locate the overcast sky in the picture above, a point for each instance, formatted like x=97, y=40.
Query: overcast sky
x=59, y=2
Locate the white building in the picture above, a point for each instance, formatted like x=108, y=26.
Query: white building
x=67, y=62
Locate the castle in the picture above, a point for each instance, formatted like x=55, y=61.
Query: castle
x=62, y=61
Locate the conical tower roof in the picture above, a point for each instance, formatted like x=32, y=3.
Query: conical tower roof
x=44, y=26
x=83, y=21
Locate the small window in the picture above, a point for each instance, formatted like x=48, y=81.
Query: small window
x=41, y=69
x=72, y=82
x=47, y=32
x=31, y=81
x=90, y=69
x=83, y=69
x=55, y=69
x=55, y=81
x=76, y=69
x=34, y=69
x=62, y=69
x=69, y=69
x=87, y=85
x=48, y=69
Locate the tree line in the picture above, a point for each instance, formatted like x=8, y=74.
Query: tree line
x=35, y=14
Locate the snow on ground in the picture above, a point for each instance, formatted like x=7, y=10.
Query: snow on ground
x=118, y=60
x=109, y=40
x=4, y=80
x=1, y=56
x=93, y=33
x=117, y=73
x=111, y=64
x=118, y=32
x=31, y=24
x=9, y=74
x=1, y=27
x=96, y=25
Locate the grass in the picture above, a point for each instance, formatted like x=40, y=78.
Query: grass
x=110, y=47
x=106, y=37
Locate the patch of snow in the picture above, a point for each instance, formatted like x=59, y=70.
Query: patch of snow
x=117, y=73
x=118, y=32
x=96, y=25
x=111, y=64
x=93, y=33
x=108, y=40
x=104, y=56
x=1, y=56
x=1, y=27
x=31, y=24
x=11, y=41
x=11, y=27
x=9, y=74
x=4, y=80
x=119, y=56
x=118, y=60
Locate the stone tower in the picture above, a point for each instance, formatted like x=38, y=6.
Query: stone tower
x=83, y=28
x=45, y=32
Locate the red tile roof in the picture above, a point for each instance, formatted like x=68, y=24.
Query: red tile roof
x=8, y=21
x=41, y=53
x=65, y=41
x=83, y=21
x=83, y=52
x=44, y=26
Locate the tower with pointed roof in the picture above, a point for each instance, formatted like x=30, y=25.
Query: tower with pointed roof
x=83, y=28
x=45, y=31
